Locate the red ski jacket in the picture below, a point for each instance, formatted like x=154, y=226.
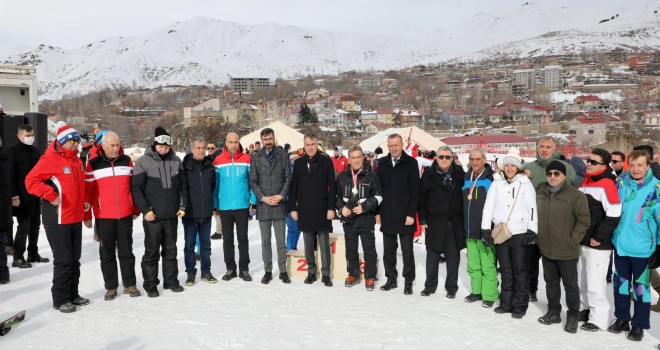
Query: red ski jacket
x=108, y=186
x=58, y=172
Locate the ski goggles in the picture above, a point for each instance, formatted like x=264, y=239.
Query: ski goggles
x=163, y=140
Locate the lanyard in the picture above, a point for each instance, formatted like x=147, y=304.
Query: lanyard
x=474, y=183
x=355, y=181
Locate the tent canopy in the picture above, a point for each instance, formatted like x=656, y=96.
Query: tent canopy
x=415, y=134
x=283, y=134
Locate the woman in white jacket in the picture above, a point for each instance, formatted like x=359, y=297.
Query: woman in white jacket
x=501, y=202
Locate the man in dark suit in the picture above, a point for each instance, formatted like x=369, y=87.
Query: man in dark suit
x=399, y=178
x=270, y=180
x=312, y=204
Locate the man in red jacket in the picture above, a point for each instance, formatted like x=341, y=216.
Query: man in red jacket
x=108, y=188
x=59, y=180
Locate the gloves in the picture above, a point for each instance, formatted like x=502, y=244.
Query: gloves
x=530, y=238
x=486, y=237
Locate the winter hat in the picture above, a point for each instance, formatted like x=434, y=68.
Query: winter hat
x=161, y=137
x=512, y=157
x=99, y=136
x=556, y=165
x=378, y=150
x=65, y=133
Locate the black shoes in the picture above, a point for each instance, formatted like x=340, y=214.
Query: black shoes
x=190, y=281
x=268, y=276
x=229, y=275
x=4, y=279
x=326, y=281
x=517, y=315
x=21, y=263
x=65, y=308
x=407, y=288
x=487, y=304
x=245, y=276
x=37, y=259
x=532, y=297
x=208, y=278
x=389, y=285
x=153, y=293
x=285, y=277
x=451, y=295
x=589, y=327
x=501, y=310
x=584, y=315
x=426, y=292
x=636, y=334
x=619, y=326
x=216, y=235
x=571, y=325
x=550, y=318
x=310, y=279
x=472, y=298
x=80, y=301
x=175, y=288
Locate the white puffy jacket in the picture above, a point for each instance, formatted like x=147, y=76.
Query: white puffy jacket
x=500, y=199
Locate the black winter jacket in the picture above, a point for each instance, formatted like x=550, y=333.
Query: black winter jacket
x=200, y=183
x=400, y=187
x=22, y=158
x=313, y=192
x=438, y=205
x=159, y=184
x=369, y=196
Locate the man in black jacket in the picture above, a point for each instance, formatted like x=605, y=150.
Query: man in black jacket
x=23, y=156
x=159, y=191
x=441, y=217
x=200, y=182
x=399, y=179
x=312, y=204
x=358, y=196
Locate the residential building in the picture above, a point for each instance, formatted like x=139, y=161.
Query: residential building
x=492, y=143
x=248, y=84
x=551, y=78
x=652, y=118
x=588, y=130
x=525, y=76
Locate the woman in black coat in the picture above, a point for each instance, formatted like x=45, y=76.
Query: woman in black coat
x=441, y=216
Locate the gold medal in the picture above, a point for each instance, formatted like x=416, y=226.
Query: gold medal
x=469, y=197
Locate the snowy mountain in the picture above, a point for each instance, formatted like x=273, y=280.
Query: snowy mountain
x=207, y=51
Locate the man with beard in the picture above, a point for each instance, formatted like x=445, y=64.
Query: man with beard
x=270, y=180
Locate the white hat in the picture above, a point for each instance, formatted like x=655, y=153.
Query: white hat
x=513, y=157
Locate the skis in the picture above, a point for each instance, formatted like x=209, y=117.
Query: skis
x=5, y=326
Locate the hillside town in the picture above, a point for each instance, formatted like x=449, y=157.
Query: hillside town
x=602, y=99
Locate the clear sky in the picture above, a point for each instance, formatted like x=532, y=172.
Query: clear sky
x=73, y=23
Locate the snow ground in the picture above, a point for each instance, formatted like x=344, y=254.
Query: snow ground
x=238, y=314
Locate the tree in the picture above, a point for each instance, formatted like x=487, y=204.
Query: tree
x=306, y=115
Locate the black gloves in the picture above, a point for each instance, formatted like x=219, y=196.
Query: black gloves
x=530, y=238
x=486, y=237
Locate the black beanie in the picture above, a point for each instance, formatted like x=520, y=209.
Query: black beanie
x=378, y=150
x=556, y=165
x=159, y=132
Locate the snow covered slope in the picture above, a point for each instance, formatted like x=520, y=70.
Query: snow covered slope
x=249, y=315
x=207, y=51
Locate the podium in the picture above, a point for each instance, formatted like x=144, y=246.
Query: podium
x=297, y=264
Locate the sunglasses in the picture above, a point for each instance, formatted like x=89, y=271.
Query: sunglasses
x=210, y=148
x=444, y=157
x=74, y=141
x=594, y=162
x=163, y=139
x=553, y=173
x=614, y=161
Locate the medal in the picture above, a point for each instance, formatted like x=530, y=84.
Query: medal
x=469, y=197
x=474, y=183
x=354, y=190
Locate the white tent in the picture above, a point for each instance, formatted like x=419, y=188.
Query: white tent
x=283, y=134
x=415, y=134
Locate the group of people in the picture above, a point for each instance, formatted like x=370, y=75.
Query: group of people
x=510, y=213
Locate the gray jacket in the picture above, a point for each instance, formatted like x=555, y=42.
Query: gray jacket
x=159, y=184
x=270, y=179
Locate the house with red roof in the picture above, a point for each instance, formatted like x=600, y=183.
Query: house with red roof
x=652, y=118
x=588, y=130
x=491, y=143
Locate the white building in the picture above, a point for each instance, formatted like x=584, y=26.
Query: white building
x=551, y=77
x=524, y=76
x=18, y=89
